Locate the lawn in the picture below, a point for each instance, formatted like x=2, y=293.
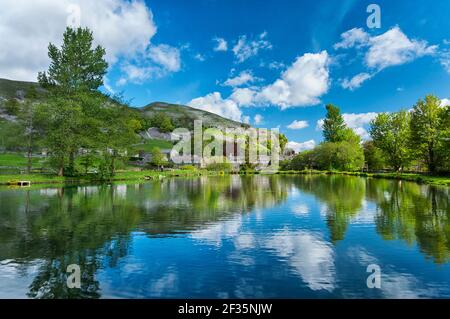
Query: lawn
x=18, y=160
x=150, y=144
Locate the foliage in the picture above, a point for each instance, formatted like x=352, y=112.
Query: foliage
x=188, y=168
x=77, y=66
x=162, y=122
x=333, y=125
x=158, y=158
x=373, y=156
x=12, y=107
x=427, y=130
x=219, y=167
x=391, y=133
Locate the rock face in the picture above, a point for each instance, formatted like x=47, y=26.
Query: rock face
x=153, y=133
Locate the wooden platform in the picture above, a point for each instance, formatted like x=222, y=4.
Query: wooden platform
x=20, y=183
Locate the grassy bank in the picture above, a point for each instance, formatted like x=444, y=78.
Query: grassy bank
x=141, y=176
x=120, y=176
x=418, y=178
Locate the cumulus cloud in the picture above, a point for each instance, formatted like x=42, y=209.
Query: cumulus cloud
x=258, y=119
x=298, y=125
x=243, y=96
x=166, y=56
x=124, y=28
x=352, y=38
x=301, y=84
x=395, y=48
x=356, y=81
x=221, y=44
x=243, y=78
x=445, y=102
x=389, y=49
x=356, y=121
x=214, y=103
x=245, y=48
x=300, y=147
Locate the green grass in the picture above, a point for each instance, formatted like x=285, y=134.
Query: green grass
x=18, y=160
x=418, y=178
x=150, y=144
x=120, y=176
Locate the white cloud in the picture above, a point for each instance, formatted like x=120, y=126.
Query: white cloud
x=300, y=147
x=124, y=28
x=243, y=96
x=389, y=49
x=352, y=38
x=319, y=125
x=298, y=125
x=137, y=74
x=246, y=119
x=356, y=81
x=444, y=59
x=276, y=65
x=214, y=103
x=445, y=102
x=301, y=84
x=243, y=78
x=200, y=57
x=166, y=56
x=221, y=44
x=245, y=49
x=356, y=121
x=258, y=119
x=395, y=48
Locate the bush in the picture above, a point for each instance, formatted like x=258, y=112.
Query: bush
x=225, y=167
x=12, y=107
x=189, y=168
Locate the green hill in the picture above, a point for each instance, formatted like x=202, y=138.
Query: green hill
x=184, y=116
x=181, y=115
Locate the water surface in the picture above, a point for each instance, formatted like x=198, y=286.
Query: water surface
x=227, y=237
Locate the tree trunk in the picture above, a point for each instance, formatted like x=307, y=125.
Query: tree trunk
x=61, y=169
x=72, y=162
x=30, y=159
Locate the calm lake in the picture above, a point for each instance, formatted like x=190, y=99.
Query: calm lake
x=227, y=237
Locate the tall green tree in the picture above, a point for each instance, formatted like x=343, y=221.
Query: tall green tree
x=427, y=128
x=64, y=130
x=31, y=124
x=390, y=132
x=74, y=109
x=77, y=65
x=373, y=156
x=333, y=125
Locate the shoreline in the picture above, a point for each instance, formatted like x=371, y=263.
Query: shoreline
x=149, y=175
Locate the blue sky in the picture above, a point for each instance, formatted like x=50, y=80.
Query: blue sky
x=284, y=60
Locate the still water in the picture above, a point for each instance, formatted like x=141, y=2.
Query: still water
x=227, y=237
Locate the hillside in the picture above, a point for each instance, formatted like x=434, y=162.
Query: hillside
x=181, y=115
x=184, y=116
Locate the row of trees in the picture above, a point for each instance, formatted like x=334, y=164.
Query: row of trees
x=341, y=149
x=417, y=139
x=75, y=123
